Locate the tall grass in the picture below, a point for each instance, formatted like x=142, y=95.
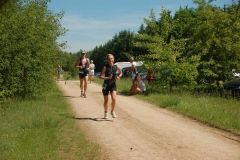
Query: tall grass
x=218, y=112
x=212, y=110
x=42, y=128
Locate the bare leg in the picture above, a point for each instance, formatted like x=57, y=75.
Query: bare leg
x=105, y=104
x=85, y=83
x=81, y=85
x=91, y=78
x=113, y=96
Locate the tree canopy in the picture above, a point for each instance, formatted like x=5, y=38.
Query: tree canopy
x=193, y=46
x=29, y=47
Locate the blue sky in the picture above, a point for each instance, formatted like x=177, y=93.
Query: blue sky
x=92, y=23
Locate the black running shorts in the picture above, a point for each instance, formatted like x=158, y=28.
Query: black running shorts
x=109, y=88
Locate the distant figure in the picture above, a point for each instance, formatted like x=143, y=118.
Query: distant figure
x=138, y=86
x=83, y=65
x=59, y=72
x=67, y=76
x=133, y=68
x=91, y=72
x=150, y=76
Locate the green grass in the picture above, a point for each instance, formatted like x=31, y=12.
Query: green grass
x=217, y=112
x=214, y=111
x=43, y=128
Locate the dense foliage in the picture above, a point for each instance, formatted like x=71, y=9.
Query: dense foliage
x=29, y=51
x=192, y=46
x=166, y=54
x=215, y=38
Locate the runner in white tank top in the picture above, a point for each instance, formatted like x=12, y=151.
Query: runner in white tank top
x=91, y=71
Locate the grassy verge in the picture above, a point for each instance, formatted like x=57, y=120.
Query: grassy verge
x=215, y=111
x=42, y=129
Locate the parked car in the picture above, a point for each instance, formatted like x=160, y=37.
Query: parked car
x=235, y=73
x=97, y=74
x=126, y=72
x=142, y=71
x=122, y=65
x=233, y=86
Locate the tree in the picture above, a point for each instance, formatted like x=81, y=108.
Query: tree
x=3, y=2
x=182, y=20
x=122, y=45
x=141, y=29
x=29, y=47
x=215, y=38
x=165, y=54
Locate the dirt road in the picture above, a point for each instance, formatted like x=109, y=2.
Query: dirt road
x=143, y=131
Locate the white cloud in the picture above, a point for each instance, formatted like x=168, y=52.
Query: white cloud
x=75, y=22
x=88, y=33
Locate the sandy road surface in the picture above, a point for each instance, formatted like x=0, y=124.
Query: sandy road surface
x=143, y=131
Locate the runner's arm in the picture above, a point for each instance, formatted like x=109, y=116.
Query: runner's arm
x=77, y=64
x=88, y=64
x=102, y=75
x=120, y=73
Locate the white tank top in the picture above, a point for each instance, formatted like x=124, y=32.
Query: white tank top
x=92, y=66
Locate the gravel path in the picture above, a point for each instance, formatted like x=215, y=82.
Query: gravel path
x=143, y=131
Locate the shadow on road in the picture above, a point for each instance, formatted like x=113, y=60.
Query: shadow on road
x=72, y=96
x=94, y=119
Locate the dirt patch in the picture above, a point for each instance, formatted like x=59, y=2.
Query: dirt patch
x=143, y=131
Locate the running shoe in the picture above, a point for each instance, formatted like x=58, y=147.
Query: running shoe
x=113, y=114
x=84, y=95
x=105, y=115
x=81, y=94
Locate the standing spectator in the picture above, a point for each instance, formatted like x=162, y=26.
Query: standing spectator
x=150, y=76
x=59, y=72
x=109, y=75
x=83, y=65
x=133, y=69
x=91, y=72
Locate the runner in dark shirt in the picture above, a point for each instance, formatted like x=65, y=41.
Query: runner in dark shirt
x=109, y=74
x=83, y=65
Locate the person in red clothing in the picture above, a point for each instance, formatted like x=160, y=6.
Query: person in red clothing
x=150, y=76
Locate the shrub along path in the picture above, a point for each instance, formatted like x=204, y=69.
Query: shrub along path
x=145, y=131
